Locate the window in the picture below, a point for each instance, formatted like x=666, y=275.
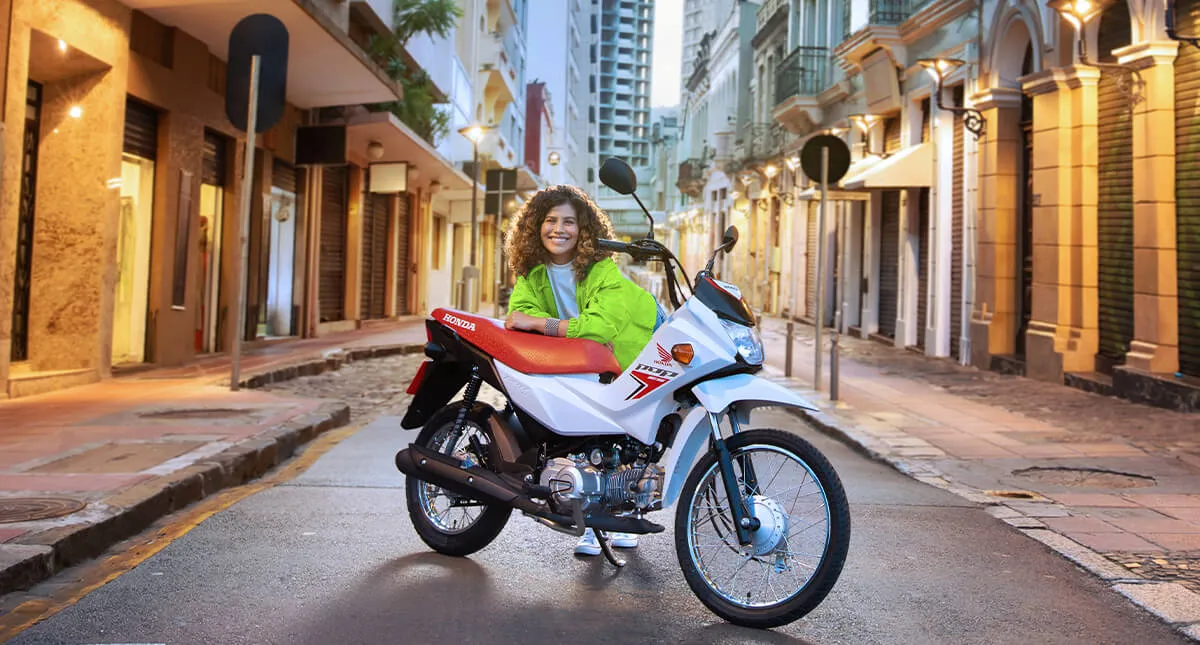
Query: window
x=591, y=144
x=439, y=223
x=591, y=175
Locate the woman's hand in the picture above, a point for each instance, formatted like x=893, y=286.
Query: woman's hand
x=524, y=322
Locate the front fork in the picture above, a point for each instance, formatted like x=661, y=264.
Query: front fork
x=743, y=514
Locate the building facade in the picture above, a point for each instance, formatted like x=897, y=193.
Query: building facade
x=121, y=184
x=1022, y=205
x=560, y=59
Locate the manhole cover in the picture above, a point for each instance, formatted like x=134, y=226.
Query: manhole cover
x=1085, y=477
x=28, y=509
x=200, y=413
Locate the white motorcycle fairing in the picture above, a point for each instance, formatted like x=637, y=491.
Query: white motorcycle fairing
x=637, y=401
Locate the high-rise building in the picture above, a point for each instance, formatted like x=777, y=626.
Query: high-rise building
x=559, y=58
x=623, y=105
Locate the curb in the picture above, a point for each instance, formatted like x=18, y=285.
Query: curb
x=37, y=556
x=1170, y=602
x=332, y=360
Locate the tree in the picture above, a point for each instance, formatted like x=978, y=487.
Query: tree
x=419, y=109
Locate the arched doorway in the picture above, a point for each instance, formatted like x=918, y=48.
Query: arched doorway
x=1024, y=294
x=1114, y=134
x=1187, y=189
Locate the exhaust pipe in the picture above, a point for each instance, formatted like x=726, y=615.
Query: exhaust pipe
x=476, y=483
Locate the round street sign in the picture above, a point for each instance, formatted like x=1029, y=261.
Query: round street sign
x=265, y=36
x=839, y=157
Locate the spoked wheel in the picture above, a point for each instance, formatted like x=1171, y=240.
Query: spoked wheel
x=448, y=522
x=797, y=552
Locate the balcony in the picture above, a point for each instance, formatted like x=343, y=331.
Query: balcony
x=799, y=80
x=761, y=141
x=771, y=13
x=691, y=177
x=497, y=75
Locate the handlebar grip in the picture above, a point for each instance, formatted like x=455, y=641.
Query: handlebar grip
x=612, y=245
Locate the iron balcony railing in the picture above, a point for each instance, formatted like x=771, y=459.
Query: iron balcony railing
x=802, y=73
x=761, y=141
x=767, y=10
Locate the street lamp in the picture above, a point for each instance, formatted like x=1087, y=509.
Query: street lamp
x=475, y=134
x=1194, y=41
x=1079, y=13
x=939, y=69
x=865, y=123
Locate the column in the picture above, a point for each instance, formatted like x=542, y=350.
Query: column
x=993, y=315
x=1062, y=335
x=1155, y=347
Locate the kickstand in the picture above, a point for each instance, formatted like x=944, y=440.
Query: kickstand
x=607, y=549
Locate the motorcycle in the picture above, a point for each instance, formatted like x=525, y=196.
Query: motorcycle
x=762, y=524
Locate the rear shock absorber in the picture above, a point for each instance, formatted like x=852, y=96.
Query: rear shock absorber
x=469, y=398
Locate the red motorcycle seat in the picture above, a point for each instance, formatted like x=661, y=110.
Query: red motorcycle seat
x=530, y=353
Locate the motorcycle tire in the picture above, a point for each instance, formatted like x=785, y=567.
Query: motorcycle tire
x=483, y=530
x=833, y=558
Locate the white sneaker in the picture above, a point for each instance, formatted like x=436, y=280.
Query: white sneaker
x=624, y=540
x=588, y=544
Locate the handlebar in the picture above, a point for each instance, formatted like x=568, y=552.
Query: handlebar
x=637, y=251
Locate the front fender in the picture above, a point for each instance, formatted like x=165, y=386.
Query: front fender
x=746, y=391
x=718, y=394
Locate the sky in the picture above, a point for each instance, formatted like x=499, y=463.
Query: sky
x=666, y=65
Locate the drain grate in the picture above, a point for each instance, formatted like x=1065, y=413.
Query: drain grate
x=1085, y=477
x=199, y=413
x=28, y=509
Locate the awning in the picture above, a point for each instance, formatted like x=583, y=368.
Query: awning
x=856, y=169
x=402, y=144
x=325, y=67
x=912, y=167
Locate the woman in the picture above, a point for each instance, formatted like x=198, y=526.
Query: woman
x=567, y=287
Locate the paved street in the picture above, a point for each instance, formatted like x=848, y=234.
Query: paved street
x=330, y=556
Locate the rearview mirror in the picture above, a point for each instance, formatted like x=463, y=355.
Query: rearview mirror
x=730, y=239
x=617, y=175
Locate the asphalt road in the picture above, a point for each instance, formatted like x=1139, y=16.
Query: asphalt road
x=330, y=557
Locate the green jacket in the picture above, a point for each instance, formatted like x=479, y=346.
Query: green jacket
x=612, y=309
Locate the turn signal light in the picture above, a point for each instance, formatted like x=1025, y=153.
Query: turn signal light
x=683, y=353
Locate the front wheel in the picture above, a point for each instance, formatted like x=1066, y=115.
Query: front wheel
x=796, y=554
x=447, y=522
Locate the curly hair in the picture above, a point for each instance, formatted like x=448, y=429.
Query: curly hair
x=523, y=243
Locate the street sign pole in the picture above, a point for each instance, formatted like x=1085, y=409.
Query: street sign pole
x=244, y=219
x=820, y=322
x=828, y=158
x=255, y=81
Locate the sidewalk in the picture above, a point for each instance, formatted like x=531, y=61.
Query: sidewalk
x=1111, y=485
x=83, y=468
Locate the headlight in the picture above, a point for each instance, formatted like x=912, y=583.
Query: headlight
x=747, y=341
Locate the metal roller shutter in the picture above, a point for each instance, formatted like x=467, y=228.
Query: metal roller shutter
x=891, y=134
x=811, y=251
x=1115, y=181
x=889, y=261
x=332, y=283
x=402, y=255
x=283, y=176
x=1187, y=190
x=374, y=256
x=141, y=130
x=922, y=265
x=956, y=234
x=212, y=169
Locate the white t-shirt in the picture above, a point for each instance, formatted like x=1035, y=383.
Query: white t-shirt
x=562, y=282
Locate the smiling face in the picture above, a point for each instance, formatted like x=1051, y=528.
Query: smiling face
x=560, y=233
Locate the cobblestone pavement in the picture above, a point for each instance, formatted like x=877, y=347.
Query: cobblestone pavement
x=370, y=387
x=1090, y=417
x=1183, y=568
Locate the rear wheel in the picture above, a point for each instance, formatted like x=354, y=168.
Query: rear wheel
x=448, y=522
x=796, y=554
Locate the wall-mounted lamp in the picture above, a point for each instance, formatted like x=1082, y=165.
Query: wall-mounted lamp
x=1194, y=41
x=75, y=112
x=62, y=46
x=792, y=163
x=554, y=158
x=939, y=69
x=865, y=123
x=375, y=151
x=1079, y=13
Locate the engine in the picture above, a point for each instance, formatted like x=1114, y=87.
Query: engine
x=602, y=482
